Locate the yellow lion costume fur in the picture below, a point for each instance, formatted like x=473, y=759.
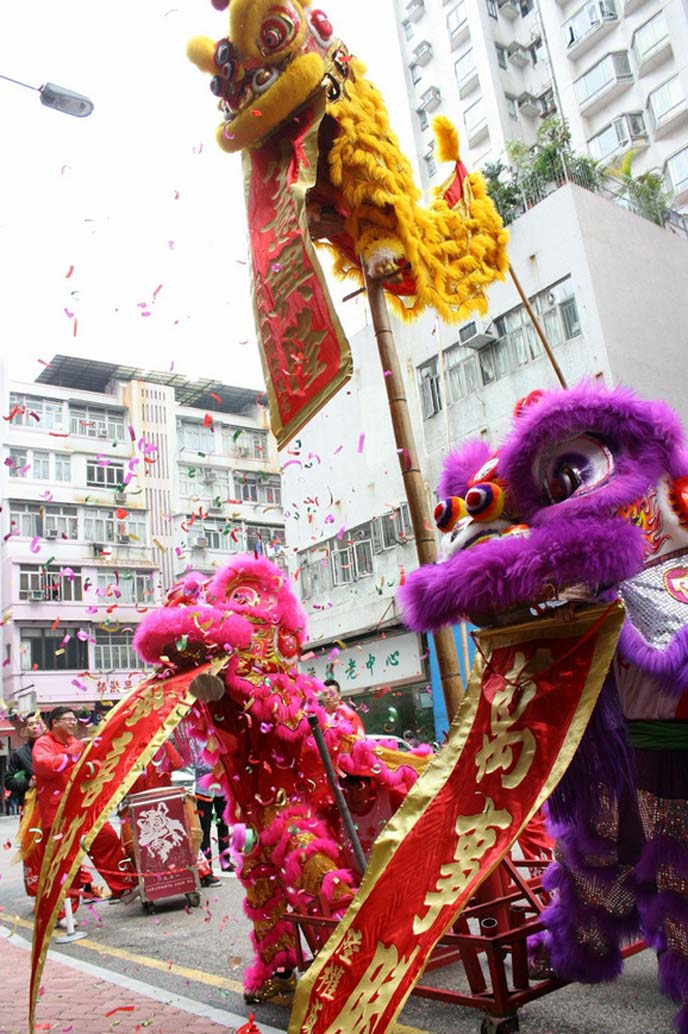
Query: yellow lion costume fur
x=365, y=205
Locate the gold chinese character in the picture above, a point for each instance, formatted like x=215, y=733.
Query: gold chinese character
x=476, y=835
x=372, y=995
x=350, y=945
x=329, y=981
x=509, y=704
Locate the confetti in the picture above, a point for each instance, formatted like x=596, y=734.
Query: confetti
x=69, y=272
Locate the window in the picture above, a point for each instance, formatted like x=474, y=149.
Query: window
x=32, y=411
x=248, y=486
x=41, y=584
x=343, y=569
x=126, y=586
x=270, y=491
x=650, y=39
x=394, y=528
x=456, y=21
x=464, y=67
x=50, y=521
x=408, y=28
x=41, y=465
x=475, y=119
x=416, y=74
x=511, y=106
x=315, y=572
x=598, y=80
x=258, y=488
x=114, y=650
x=92, y=422
x=245, y=442
x=63, y=467
x=501, y=55
x=47, y=649
x=104, y=474
x=569, y=315
x=101, y=525
x=430, y=163
x=588, y=19
x=196, y=437
x=430, y=390
x=492, y=8
x=526, y=7
x=666, y=102
x=264, y=540
x=677, y=172
x=422, y=118
x=623, y=131
x=19, y=463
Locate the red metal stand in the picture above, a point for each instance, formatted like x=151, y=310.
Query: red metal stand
x=489, y=938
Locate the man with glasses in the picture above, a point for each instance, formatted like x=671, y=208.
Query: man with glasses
x=54, y=756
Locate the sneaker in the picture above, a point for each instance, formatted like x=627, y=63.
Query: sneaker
x=210, y=881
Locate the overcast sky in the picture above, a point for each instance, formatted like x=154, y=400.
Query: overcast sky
x=122, y=236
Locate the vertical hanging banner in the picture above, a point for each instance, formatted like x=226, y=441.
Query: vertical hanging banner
x=123, y=744
x=304, y=352
x=529, y=699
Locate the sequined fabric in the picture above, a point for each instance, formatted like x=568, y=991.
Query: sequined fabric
x=654, y=612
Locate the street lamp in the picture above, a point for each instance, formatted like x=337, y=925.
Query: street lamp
x=58, y=97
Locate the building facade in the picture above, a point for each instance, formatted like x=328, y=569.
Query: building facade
x=616, y=70
x=114, y=483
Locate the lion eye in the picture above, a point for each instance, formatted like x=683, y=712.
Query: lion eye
x=275, y=32
x=575, y=467
x=264, y=78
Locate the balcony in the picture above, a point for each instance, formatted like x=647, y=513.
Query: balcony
x=677, y=175
x=588, y=25
x=529, y=104
x=624, y=133
x=475, y=121
x=430, y=100
x=651, y=43
x=415, y=10
x=457, y=26
x=467, y=80
x=518, y=55
x=509, y=8
x=609, y=77
x=422, y=54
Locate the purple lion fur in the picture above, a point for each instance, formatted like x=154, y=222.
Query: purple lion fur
x=593, y=482
x=648, y=429
x=669, y=666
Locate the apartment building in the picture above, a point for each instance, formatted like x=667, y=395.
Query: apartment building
x=616, y=70
x=114, y=481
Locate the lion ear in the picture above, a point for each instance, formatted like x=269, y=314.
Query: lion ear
x=201, y=52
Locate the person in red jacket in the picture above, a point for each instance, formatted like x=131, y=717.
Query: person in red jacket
x=54, y=756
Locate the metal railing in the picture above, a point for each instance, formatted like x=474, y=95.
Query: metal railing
x=534, y=185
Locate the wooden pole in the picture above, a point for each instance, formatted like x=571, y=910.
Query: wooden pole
x=426, y=547
x=538, y=329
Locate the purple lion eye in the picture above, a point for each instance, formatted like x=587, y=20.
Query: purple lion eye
x=574, y=468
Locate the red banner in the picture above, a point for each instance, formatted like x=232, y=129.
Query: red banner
x=530, y=696
x=124, y=743
x=304, y=351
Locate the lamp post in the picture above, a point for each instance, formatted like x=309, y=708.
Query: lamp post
x=58, y=97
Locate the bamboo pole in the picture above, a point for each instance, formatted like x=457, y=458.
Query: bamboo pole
x=538, y=329
x=426, y=546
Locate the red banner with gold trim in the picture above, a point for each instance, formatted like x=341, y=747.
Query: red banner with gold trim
x=126, y=741
x=304, y=351
x=530, y=696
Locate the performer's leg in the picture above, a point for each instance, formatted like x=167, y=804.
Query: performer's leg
x=534, y=841
x=205, y=814
x=594, y=909
x=663, y=870
x=220, y=806
x=111, y=861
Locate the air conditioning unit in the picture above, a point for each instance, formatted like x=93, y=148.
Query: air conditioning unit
x=102, y=432
x=200, y=542
x=51, y=533
x=123, y=540
x=209, y=477
x=423, y=53
x=528, y=104
x=244, y=450
x=215, y=508
x=37, y=594
x=120, y=497
x=477, y=333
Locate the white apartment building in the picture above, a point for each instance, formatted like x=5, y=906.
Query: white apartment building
x=114, y=482
x=609, y=288
x=616, y=70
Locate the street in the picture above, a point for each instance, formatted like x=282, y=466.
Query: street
x=198, y=956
